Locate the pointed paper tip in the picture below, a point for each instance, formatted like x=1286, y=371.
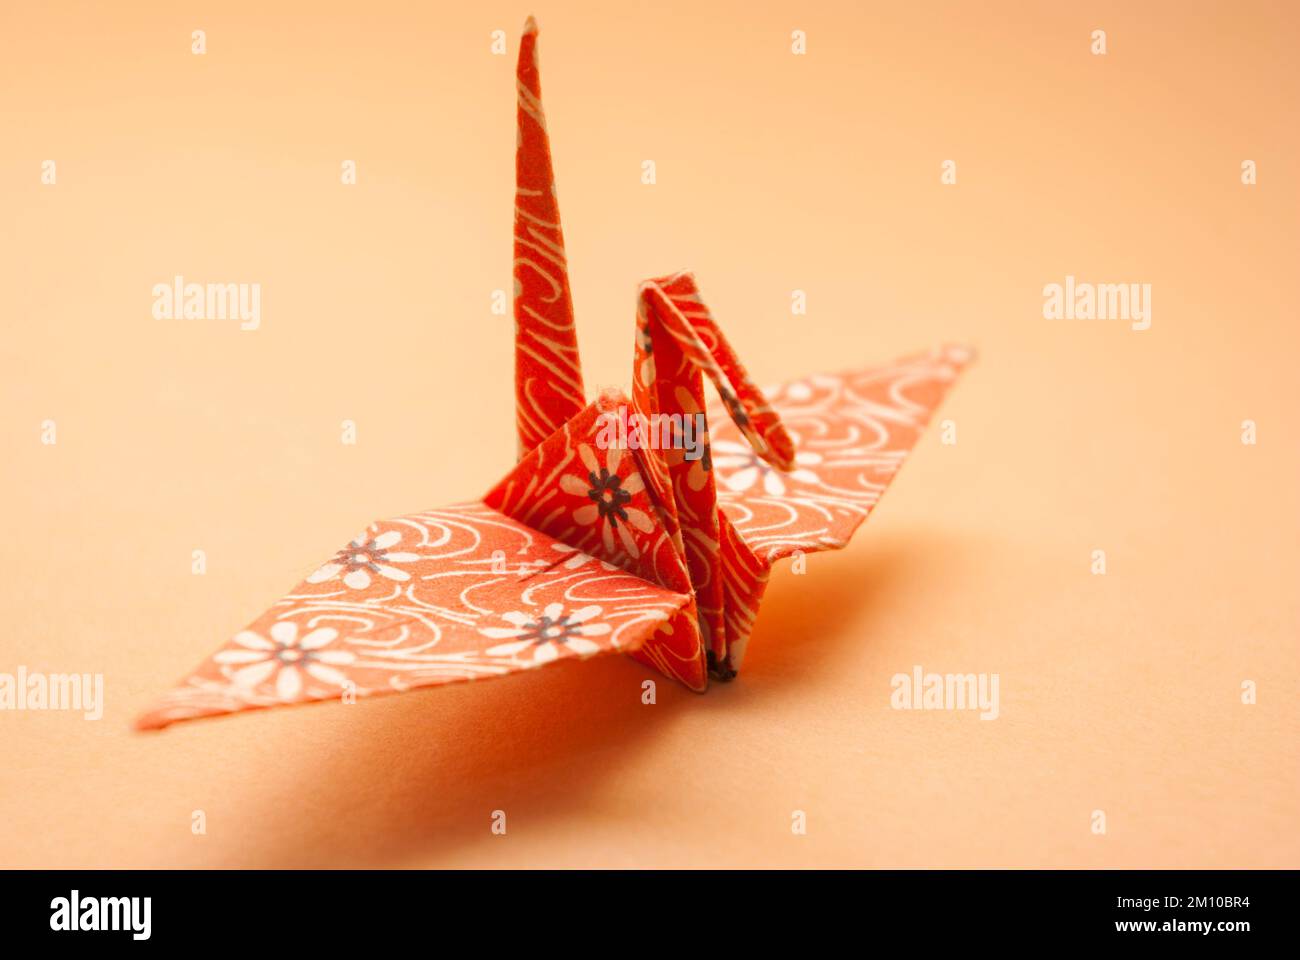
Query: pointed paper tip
x=530, y=25
x=960, y=354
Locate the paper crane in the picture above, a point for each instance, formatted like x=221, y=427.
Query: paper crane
x=627, y=524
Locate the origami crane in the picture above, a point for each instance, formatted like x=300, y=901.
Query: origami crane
x=628, y=524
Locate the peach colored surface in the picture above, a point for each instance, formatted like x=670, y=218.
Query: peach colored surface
x=775, y=173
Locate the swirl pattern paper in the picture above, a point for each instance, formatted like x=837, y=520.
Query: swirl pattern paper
x=587, y=546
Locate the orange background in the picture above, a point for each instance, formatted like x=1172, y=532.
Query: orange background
x=775, y=172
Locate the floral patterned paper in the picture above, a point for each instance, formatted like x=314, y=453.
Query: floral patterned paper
x=586, y=548
x=483, y=596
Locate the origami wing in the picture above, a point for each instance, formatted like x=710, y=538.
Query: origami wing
x=453, y=594
x=795, y=469
x=851, y=432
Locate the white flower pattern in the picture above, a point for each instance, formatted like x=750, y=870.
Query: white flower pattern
x=285, y=656
x=542, y=638
x=610, y=493
x=740, y=468
x=364, y=556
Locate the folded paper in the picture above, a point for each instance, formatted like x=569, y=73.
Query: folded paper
x=643, y=524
